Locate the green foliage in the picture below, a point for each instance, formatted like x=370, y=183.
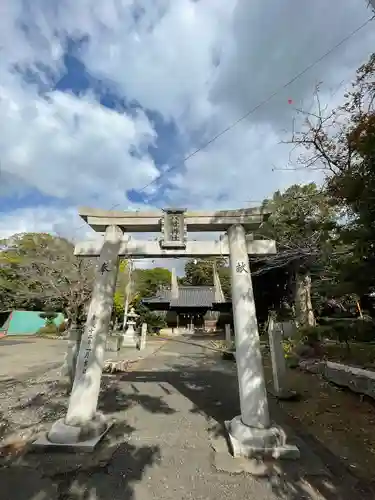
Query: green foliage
x=289, y=353
x=49, y=317
x=199, y=272
x=49, y=329
x=348, y=330
x=342, y=142
x=310, y=335
x=148, y=281
x=123, y=266
x=304, y=224
x=119, y=303
x=302, y=219
x=154, y=321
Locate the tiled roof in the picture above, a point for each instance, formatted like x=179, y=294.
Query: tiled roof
x=194, y=296
x=161, y=296
x=188, y=296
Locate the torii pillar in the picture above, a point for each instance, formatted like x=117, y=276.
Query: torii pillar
x=251, y=433
x=84, y=426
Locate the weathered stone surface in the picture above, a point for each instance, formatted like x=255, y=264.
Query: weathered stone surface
x=84, y=396
x=142, y=339
x=312, y=366
x=113, y=343
x=357, y=379
x=279, y=367
x=228, y=334
x=258, y=443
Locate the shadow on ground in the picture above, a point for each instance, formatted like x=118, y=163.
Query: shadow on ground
x=117, y=465
x=107, y=474
x=214, y=394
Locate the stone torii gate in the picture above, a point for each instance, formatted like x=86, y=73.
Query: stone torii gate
x=250, y=433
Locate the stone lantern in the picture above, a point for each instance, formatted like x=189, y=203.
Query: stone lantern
x=130, y=337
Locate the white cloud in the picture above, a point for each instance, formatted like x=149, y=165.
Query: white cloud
x=65, y=146
x=63, y=222
x=272, y=42
x=201, y=63
x=172, y=54
x=73, y=147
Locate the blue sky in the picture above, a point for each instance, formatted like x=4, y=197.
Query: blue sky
x=100, y=99
x=167, y=151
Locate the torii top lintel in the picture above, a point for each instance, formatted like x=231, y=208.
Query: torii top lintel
x=150, y=222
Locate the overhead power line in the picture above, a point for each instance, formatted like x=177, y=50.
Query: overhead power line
x=259, y=105
x=265, y=101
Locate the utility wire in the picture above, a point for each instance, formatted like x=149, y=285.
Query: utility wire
x=269, y=98
x=260, y=104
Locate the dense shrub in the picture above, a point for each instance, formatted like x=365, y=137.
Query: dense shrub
x=154, y=321
x=48, y=330
x=49, y=317
x=349, y=330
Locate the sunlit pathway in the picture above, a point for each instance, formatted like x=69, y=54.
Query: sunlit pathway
x=167, y=411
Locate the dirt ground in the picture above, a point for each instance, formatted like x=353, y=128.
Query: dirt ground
x=342, y=421
x=23, y=356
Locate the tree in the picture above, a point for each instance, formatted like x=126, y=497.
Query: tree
x=303, y=223
x=199, y=272
x=40, y=271
x=49, y=317
x=342, y=143
x=154, y=320
x=148, y=281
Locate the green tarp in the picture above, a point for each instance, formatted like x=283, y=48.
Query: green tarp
x=24, y=322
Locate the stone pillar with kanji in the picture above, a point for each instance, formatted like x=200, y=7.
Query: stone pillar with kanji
x=83, y=424
x=251, y=433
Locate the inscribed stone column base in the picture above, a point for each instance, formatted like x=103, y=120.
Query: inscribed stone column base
x=252, y=442
x=80, y=437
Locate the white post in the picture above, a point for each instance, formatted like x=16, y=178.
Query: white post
x=82, y=421
x=142, y=340
x=127, y=293
x=277, y=356
x=228, y=336
x=279, y=369
x=250, y=433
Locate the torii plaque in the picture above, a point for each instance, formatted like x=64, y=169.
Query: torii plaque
x=174, y=231
x=250, y=433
